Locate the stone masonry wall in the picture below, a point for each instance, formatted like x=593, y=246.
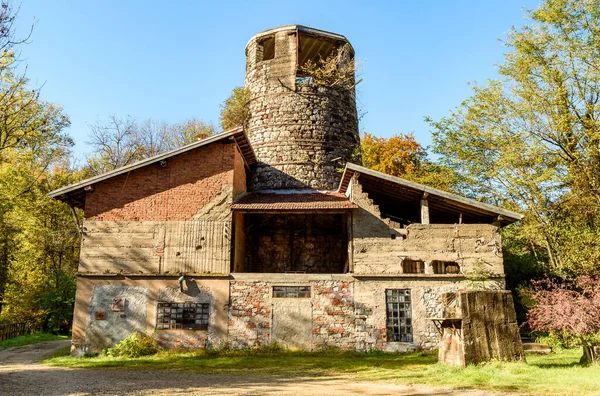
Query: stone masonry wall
x=310, y=243
x=333, y=315
x=249, y=314
x=297, y=130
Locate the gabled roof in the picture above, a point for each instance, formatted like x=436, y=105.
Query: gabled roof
x=296, y=201
x=399, y=190
x=75, y=193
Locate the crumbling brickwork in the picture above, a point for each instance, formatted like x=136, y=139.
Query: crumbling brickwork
x=333, y=315
x=301, y=134
x=249, y=314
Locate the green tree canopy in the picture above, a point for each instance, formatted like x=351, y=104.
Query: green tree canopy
x=531, y=140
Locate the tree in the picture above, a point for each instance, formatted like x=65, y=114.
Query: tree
x=32, y=141
x=571, y=308
x=235, y=111
x=119, y=141
x=401, y=155
x=531, y=141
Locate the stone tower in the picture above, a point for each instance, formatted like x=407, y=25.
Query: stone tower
x=302, y=132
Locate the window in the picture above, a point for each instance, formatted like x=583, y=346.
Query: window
x=413, y=266
x=291, y=291
x=185, y=316
x=267, y=46
x=399, y=315
x=445, y=267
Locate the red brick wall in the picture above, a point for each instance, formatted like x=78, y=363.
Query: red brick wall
x=154, y=193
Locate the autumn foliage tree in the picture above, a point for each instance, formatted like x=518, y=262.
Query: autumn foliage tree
x=570, y=308
x=401, y=155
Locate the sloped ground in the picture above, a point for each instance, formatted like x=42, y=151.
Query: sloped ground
x=20, y=375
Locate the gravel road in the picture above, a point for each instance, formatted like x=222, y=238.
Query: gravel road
x=20, y=375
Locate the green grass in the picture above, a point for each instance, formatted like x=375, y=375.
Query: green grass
x=555, y=374
x=31, y=339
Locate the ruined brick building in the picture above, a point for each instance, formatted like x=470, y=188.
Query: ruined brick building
x=280, y=232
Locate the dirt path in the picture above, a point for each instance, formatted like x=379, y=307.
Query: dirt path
x=19, y=375
x=31, y=353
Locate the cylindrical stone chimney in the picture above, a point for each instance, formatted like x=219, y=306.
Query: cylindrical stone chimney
x=302, y=132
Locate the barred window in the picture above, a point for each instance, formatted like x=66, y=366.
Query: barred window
x=291, y=291
x=185, y=316
x=399, y=315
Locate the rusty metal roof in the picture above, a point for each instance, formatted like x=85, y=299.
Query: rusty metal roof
x=300, y=201
x=75, y=193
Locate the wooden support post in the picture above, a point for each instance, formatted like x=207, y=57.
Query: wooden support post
x=460, y=219
x=424, y=209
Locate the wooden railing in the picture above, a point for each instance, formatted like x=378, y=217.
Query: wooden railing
x=13, y=330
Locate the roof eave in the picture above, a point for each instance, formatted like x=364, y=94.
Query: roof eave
x=236, y=133
x=351, y=168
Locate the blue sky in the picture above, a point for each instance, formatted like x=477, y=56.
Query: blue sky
x=177, y=60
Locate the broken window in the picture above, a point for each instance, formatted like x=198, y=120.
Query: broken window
x=291, y=291
x=266, y=49
x=185, y=316
x=445, y=267
x=413, y=266
x=399, y=315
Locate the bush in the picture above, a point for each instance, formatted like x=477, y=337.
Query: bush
x=136, y=345
x=557, y=341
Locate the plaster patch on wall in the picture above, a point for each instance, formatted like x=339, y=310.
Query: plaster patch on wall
x=105, y=333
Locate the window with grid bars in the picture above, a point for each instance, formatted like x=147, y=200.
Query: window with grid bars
x=291, y=291
x=399, y=315
x=185, y=316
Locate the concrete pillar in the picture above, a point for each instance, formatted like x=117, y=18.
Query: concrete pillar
x=424, y=211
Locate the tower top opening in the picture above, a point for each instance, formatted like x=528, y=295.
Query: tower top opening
x=300, y=28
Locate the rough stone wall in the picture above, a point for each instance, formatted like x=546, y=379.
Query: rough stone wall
x=175, y=193
x=297, y=130
x=249, y=314
x=380, y=249
x=426, y=302
x=310, y=243
x=333, y=315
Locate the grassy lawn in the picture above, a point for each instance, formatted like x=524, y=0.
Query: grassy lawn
x=31, y=339
x=555, y=374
